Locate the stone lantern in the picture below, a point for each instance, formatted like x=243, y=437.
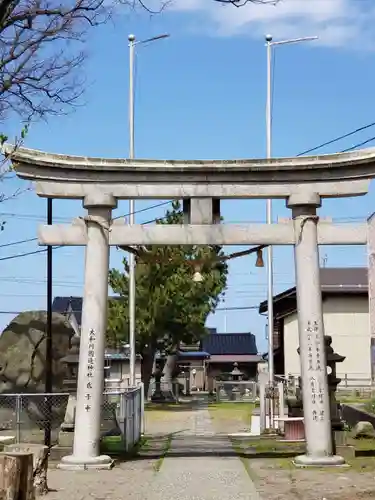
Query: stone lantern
x=236, y=376
x=332, y=359
x=70, y=383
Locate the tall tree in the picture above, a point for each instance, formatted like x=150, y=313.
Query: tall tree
x=170, y=306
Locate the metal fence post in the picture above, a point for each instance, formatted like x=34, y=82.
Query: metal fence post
x=142, y=412
x=18, y=417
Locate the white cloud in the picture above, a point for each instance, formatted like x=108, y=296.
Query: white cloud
x=336, y=22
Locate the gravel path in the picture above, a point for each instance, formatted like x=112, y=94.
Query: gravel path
x=191, y=470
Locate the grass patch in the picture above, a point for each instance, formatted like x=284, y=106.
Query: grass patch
x=114, y=446
x=358, y=464
x=354, y=400
x=266, y=448
x=167, y=446
x=238, y=411
x=151, y=407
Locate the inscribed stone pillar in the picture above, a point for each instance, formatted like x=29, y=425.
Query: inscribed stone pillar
x=86, y=449
x=311, y=334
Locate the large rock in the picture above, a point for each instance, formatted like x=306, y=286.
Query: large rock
x=363, y=430
x=23, y=352
x=22, y=364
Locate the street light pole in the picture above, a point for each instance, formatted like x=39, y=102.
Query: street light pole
x=269, y=44
x=131, y=39
x=132, y=289
x=269, y=216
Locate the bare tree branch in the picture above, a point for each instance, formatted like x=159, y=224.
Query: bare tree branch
x=241, y=3
x=40, y=66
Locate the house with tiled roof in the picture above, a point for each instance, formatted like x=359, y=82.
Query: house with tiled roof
x=346, y=320
x=212, y=357
x=215, y=356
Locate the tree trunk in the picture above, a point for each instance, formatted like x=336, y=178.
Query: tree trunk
x=39, y=463
x=9, y=478
x=147, y=368
x=169, y=370
x=16, y=475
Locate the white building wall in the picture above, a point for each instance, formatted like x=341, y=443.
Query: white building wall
x=347, y=320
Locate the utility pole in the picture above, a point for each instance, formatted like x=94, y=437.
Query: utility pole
x=48, y=386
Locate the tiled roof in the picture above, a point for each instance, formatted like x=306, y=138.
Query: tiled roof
x=229, y=343
x=333, y=280
x=344, y=278
x=62, y=305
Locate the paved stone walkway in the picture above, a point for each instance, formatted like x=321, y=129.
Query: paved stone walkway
x=195, y=467
x=198, y=466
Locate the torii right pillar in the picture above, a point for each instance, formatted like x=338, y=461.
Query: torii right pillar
x=315, y=394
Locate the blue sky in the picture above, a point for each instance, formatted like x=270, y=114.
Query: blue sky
x=201, y=94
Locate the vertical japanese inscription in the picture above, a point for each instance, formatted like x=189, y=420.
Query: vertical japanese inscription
x=315, y=365
x=90, y=368
x=309, y=331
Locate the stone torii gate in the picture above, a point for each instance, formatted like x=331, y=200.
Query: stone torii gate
x=303, y=182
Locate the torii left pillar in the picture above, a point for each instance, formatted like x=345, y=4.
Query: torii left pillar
x=86, y=448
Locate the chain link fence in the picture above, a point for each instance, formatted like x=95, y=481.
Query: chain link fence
x=27, y=417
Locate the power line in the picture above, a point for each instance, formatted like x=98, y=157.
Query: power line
x=358, y=145
x=344, y=136
x=9, y=257
x=145, y=209
x=26, y=254
x=60, y=219
x=235, y=308
x=17, y=242
x=218, y=309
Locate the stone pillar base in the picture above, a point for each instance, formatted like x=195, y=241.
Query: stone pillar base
x=309, y=461
x=72, y=463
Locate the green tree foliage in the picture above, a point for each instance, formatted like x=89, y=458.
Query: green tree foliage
x=170, y=306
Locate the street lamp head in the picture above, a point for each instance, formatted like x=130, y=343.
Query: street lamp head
x=131, y=38
x=268, y=38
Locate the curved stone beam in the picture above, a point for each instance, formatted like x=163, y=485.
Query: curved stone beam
x=40, y=166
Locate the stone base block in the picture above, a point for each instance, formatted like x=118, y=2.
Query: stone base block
x=75, y=463
x=4, y=440
x=310, y=461
x=347, y=452
x=66, y=439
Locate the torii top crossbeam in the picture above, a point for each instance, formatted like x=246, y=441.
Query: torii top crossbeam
x=175, y=178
